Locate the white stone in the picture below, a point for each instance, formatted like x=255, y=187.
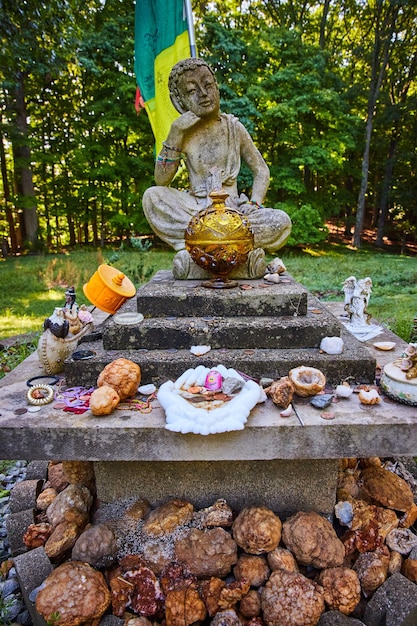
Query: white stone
x=332, y=345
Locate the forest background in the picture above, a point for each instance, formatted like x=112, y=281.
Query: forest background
x=327, y=90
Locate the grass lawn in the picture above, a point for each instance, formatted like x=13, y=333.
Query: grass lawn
x=31, y=286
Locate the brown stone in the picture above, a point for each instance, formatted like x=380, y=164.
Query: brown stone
x=386, y=488
x=313, y=540
x=166, y=518
x=207, y=552
x=76, y=591
x=62, y=539
x=257, y=530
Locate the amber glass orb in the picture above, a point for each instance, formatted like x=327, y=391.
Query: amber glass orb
x=219, y=239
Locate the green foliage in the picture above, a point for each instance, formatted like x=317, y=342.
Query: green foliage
x=307, y=225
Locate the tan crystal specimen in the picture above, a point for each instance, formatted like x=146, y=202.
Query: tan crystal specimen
x=313, y=540
x=341, y=588
x=184, y=607
x=257, y=530
x=386, y=488
x=62, y=539
x=372, y=569
x=96, y=546
x=218, y=514
x=104, y=400
x=71, y=505
x=45, y=498
x=250, y=605
x=281, y=558
x=81, y=472
x=76, y=592
x=252, y=568
x=290, y=599
x=56, y=478
x=36, y=535
x=210, y=591
x=123, y=376
x=281, y=392
x=409, y=567
x=167, y=517
x=207, y=552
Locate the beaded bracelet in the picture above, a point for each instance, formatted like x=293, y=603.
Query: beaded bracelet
x=171, y=147
x=253, y=203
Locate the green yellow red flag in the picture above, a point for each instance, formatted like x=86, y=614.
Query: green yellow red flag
x=161, y=39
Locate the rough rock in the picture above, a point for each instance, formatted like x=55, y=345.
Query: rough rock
x=313, y=540
x=167, y=517
x=341, y=588
x=62, y=539
x=76, y=591
x=56, y=478
x=290, y=599
x=96, y=546
x=71, y=505
x=386, y=488
x=257, y=530
x=252, y=568
x=335, y=618
x=281, y=558
x=184, y=607
x=393, y=604
x=207, y=552
x=372, y=569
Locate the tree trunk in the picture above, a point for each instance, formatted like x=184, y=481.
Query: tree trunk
x=6, y=194
x=382, y=46
x=383, y=209
x=22, y=166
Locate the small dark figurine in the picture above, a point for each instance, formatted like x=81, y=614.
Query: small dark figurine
x=57, y=324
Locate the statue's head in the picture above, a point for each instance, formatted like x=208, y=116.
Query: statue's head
x=183, y=75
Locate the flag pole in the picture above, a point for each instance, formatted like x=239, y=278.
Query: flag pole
x=190, y=24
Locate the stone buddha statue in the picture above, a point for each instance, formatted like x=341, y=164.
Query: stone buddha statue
x=209, y=140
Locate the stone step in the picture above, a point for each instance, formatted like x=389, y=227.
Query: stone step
x=224, y=332
x=157, y=366
x=164, y=296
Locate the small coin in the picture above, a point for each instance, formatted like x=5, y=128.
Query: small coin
x=34, y=409
x=20, y=411
x=59, y=405
x=327, y=415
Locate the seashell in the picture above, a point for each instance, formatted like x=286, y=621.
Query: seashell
x=343, y=391
x=276, y=266
x=146, y=390
x=322, y=401
x=287, y=412
x=332, y=345
x=200, y=350
x=369, y=397
x=272, y=278
x=308, y=381
x=384, y=345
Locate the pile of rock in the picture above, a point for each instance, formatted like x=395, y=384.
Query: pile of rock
x=126, y=563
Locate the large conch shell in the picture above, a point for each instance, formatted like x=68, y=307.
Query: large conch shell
x=307, y=381
x=53, y=351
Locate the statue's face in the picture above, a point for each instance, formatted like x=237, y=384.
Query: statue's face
x=199, y=92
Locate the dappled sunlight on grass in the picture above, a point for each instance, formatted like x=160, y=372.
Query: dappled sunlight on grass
x=32, y=286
